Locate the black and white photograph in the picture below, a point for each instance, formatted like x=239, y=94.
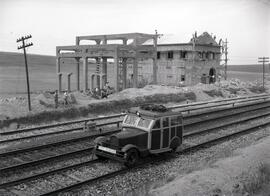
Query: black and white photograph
x=134, y=98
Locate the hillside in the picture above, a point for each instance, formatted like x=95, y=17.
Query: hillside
x=42, y=72
x=255, y=68
x=17, y=59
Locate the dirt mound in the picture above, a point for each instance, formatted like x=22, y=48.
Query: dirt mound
x=242, y=174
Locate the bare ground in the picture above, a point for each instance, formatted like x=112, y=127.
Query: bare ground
x=246, y=172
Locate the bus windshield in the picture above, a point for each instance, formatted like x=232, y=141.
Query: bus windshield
x=136, y=121
x=131, y=120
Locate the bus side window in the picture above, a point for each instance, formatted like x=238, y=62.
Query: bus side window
x=157, y=124
x=165, y=122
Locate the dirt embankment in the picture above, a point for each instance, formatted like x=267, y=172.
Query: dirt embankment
x=80, y=105
x=246, y=173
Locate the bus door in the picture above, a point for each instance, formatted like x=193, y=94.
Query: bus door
x=165, y=132
x=156, y=136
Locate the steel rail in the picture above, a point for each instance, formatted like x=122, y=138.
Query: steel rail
x=46, y=159
x=186, y=135
x=51, y=144
x=45, y=174
x=216, y=112
x=56, y=133
x=85, y=137
x=122, y=114
x=63, y=123
x=108, y=123
x=218, y=105
x=186, y=150
x=222, y=100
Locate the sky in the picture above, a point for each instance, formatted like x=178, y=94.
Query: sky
x=245, y=23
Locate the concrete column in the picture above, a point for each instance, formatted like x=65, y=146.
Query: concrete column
x=155, y=61
x=116, y=65
x=85, y=73
x=58, y=63
x=68, y=78
x=104, y=69
x=155, y=70
x=78, y=73
x=135, y=72
x=124, y=73
x=92, y=81
x=59, y=82
x=99, y=71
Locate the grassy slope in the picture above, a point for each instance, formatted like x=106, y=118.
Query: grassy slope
x=41, y=72
x=256, y=68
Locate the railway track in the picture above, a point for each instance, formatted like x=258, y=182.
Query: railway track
x=194, y=120
x=21, y=134
x=218, y=137
x=189, y=149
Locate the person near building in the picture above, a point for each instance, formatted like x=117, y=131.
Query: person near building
x=56, y=99
x=66, y=98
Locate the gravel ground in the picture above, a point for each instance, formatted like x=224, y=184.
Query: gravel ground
x=138, y=181
x=66, y=178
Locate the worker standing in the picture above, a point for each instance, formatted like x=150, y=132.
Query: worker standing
x=56, y=99
x=106, y=89
x=66, y=98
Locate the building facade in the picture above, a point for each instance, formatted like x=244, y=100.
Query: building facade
x=197, y=61
x=133, y=63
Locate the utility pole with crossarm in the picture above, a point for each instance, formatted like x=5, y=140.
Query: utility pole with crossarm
x=23, y=46
x=263, y=60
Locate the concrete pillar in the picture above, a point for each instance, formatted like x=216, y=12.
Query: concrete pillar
x=104, y=69
x=92, y=81
x=116, y=65
x=59, y=82
x=58, y=63
x=68, y=78
x=78, y=73
x=124, y=73
x=85, y=73
x=155, y=61
x=99, y=70
x=155, y=70
x=135, y=72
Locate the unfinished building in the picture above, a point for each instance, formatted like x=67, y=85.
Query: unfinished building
x=130, y=48
x=137, y=60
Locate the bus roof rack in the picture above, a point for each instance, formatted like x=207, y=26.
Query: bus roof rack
x=154, y=108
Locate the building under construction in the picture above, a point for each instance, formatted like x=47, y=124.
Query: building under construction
x=135, y=59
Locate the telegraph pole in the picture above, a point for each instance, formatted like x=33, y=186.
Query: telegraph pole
x=23, y=46
x=263, y=60
x=226, y=57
